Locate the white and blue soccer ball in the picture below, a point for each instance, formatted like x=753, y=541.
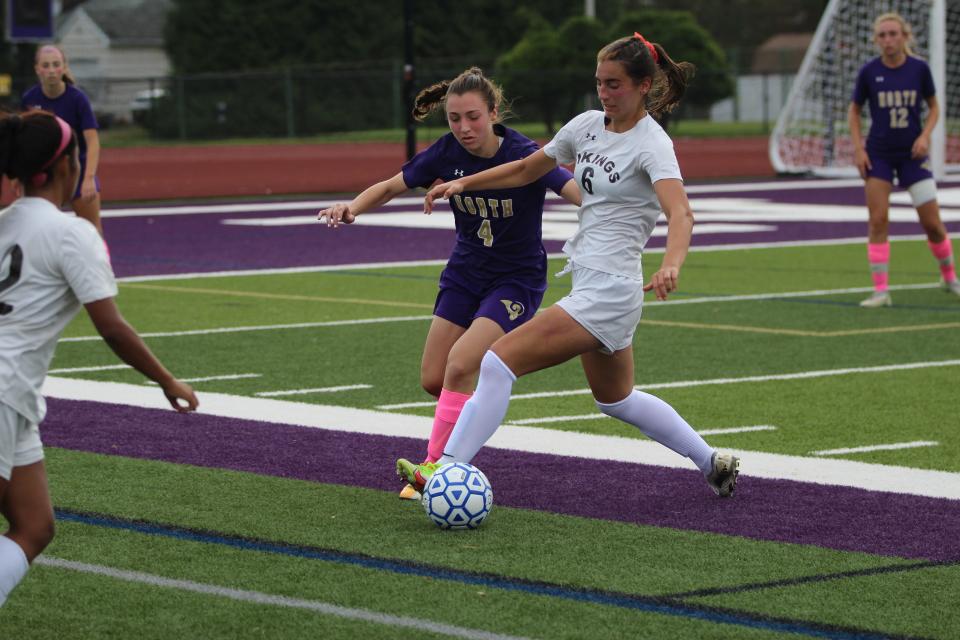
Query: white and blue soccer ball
x=457, y=496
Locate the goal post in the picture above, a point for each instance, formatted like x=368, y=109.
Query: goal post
x=812, y=135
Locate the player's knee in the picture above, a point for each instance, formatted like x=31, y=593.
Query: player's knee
x=923, y=192
x=460, y=370
x=34, y=536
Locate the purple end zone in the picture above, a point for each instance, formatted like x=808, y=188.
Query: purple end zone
x=775, y=510
x=202, y=243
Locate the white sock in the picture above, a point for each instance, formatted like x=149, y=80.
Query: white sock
x=483, y=412
x=661, y=422
x=13, y=566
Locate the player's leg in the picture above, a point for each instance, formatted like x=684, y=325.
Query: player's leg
x=878, y=245
x=24, y=498
x=610, y=376
x=923, y=194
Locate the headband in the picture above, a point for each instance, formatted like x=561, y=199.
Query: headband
x=66, y=133
x=649, y=46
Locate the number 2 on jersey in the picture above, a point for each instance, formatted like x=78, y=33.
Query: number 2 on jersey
x=14, y=258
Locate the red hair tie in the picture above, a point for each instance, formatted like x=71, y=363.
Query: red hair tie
x=649, y=46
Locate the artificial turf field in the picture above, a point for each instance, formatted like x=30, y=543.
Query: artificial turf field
x=273, y=512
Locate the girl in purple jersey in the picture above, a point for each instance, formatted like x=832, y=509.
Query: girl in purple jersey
x=496, y=275
x=895, y=85
x=50, y=265
x=56, y=92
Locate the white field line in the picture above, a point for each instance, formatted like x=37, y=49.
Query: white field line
x=652, y=303
x=260, y=598
x=109, y=367
x=680, y=384
x=300, y=392
x=226, y=376
x=266, y=327
x=827, y=471
x=877, y=447
x=598, y=416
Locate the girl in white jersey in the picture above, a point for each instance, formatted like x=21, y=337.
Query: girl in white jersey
x=51, y=263
x=628, y=174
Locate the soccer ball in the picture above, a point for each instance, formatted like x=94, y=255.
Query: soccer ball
x=457, y=496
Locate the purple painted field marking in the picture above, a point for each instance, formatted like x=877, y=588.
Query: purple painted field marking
x=775, y=510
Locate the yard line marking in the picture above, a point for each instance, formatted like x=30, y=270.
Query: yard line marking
x=786, y=294
x=260, y=598
x=109, y=367
x=231, y=376
x=278, y=296
x=299, y=392
x=266, y=327
x=826, y=471
x=801, y=333
x=877, y=447
x=728, y=430
x=598, y=416
x=680, y=384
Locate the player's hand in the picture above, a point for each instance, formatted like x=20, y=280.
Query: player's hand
x=177, y=393
x=88, y=190
x=444, y=190
x=663, y=282
x=862, y=161
x=921, y=147
x=336, y=214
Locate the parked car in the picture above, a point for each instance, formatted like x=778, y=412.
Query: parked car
x=143, y=102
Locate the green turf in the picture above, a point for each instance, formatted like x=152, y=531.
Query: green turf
x=699, y=340
x=511, y=545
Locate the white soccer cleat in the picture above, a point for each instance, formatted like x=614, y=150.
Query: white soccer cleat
x=951, y=287
x=877, y=299
x=722, y=478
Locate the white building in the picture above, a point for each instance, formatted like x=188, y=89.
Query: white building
x=114, y=48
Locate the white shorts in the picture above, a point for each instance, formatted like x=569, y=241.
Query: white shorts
x=20, y=443
x=606, y=305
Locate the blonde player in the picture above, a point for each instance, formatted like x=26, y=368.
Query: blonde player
x=50, y=264
x=628, y=174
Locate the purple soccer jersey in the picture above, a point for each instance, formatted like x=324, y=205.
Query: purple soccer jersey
x=896, y=97
x=72, y=105
x=498, y=230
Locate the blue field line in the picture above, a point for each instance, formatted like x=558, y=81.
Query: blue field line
x=628, y=601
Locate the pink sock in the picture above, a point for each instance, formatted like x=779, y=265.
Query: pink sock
x=943, y=252
x=449, y=407
x=879, y=256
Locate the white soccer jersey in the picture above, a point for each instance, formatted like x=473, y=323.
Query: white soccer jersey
x=51, y=262
x=615, y=172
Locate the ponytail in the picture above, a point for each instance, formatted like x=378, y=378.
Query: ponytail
x=643, y=59
x=31, y=143
x=471, y=80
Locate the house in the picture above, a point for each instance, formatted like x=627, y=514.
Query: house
x=114, y=49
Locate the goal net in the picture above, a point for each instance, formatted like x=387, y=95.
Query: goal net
x=812, y=135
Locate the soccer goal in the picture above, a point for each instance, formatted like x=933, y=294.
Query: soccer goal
x=811, y=134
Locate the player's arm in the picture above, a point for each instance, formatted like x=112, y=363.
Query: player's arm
x=676, y=208
x=505, y=176
x=860, y=158
x=921, y=146
x=88, y=186
x=571, y=192
x=371, y=198
x=125, y=342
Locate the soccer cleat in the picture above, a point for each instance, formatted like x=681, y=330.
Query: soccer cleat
x=416, y=474
x=951, y=287
x=409, y=493
x=877, y=299
x=723, y=473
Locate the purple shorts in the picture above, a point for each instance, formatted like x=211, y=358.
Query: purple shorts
x=83, y=170
x=509, y=305
x=908, y=170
